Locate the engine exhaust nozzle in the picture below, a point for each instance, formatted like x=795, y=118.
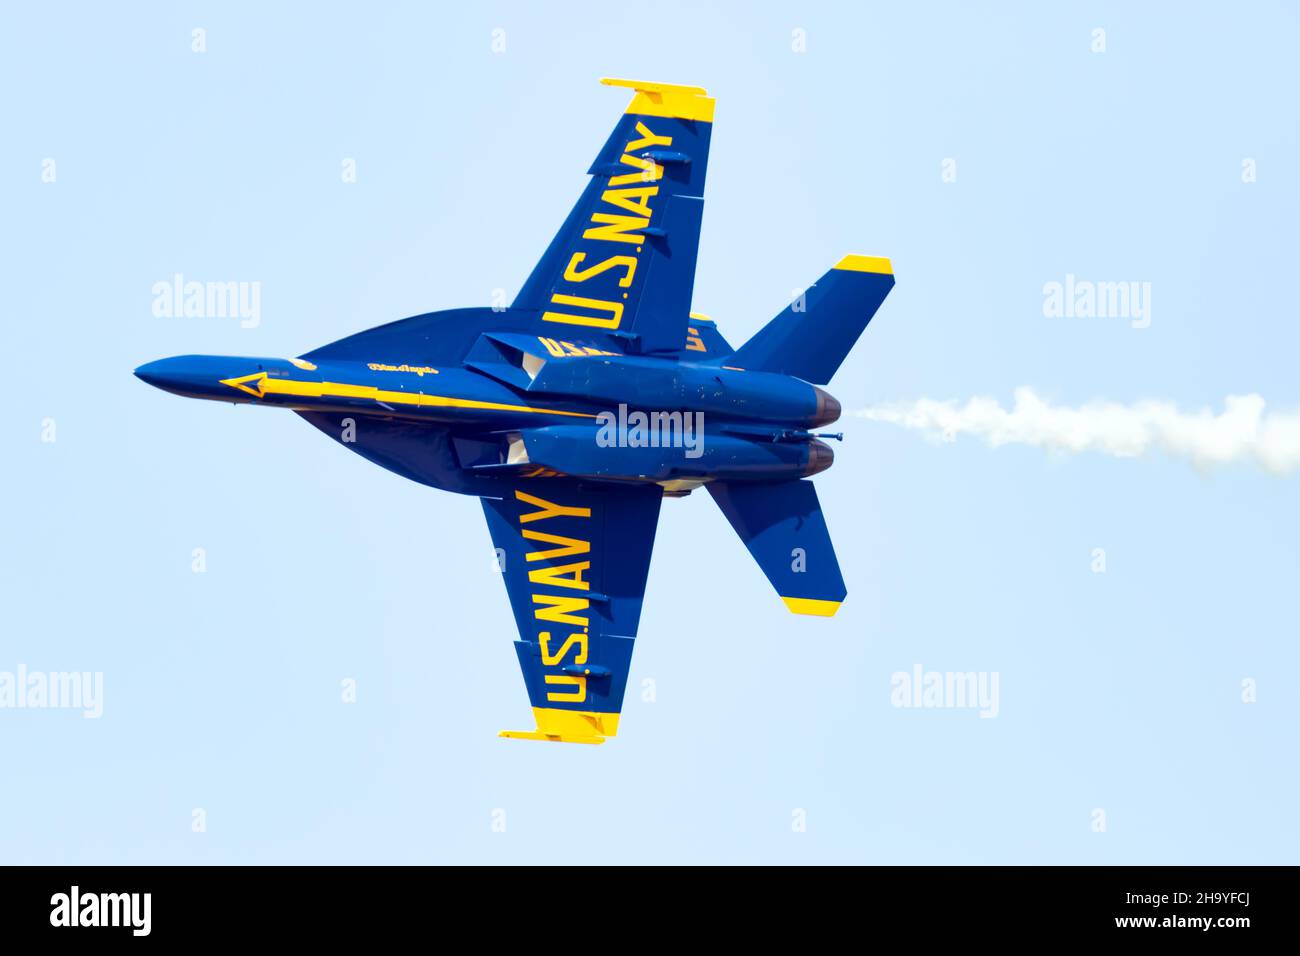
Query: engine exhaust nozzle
x=820, y=457
x=827, y=410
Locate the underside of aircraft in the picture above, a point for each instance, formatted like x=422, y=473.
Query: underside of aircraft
x=597, y=393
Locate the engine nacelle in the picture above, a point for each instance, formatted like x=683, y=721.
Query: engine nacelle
x=664, y=452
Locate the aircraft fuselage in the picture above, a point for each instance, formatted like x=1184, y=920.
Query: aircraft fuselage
x=604, y=417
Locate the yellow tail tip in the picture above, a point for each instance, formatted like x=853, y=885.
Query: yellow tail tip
x=877, y=264
x=812, y=606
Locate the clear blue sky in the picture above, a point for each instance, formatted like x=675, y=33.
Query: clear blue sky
x=1119, y=691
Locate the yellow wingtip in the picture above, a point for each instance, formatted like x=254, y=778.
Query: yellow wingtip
x=666, y=99
x=649, y=86
x=553, y=738
x=877, y=264
x=812, y=606
x=568, y=726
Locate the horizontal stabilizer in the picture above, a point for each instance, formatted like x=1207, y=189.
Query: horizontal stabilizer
x=781, y=524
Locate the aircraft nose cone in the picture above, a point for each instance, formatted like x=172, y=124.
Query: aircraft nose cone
x=176, y=375
x=153, y=373
x=194, y=376
x=828, y=408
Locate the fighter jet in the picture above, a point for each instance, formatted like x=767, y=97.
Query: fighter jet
x=596, y=394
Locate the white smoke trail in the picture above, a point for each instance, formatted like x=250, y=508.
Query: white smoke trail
x=1241, y=432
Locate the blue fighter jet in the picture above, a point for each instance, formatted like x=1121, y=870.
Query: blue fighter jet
x=574, y=412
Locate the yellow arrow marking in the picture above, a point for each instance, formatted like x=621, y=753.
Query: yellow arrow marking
x=242, y=383
x=259, y=385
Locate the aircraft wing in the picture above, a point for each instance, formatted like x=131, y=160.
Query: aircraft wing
x=574, y=558
x=624, y=259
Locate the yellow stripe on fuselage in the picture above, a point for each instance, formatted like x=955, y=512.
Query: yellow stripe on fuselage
x=260, y=384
